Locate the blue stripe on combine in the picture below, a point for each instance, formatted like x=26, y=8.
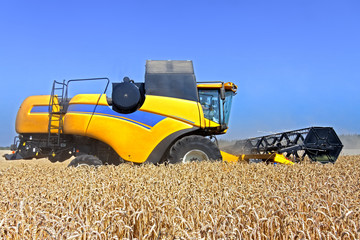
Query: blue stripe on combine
x=183, y=119
x=138, y=117
x=125, y=119
x=40, y=109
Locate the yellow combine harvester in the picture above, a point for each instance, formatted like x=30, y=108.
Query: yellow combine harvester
x=170, y=117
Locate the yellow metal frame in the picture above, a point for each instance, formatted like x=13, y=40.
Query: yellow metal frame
x=273, y=157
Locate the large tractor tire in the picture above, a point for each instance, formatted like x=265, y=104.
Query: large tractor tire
x=85, y=160
x=194, y=148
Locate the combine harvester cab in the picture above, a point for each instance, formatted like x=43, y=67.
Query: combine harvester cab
x=170, y=117
x=319, y=144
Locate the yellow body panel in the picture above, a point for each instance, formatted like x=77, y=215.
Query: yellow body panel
x=33, y=116
x=131, y=141
x=89, y=99
x=133, y=136
x=180, y=109
x=76, y=123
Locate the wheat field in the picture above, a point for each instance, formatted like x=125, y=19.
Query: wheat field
x=205, y=200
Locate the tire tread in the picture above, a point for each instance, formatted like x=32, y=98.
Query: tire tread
x=195, y=142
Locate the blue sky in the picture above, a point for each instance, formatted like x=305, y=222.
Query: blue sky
x=296, y=63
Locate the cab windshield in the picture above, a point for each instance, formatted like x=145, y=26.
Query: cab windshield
x=214, y=108
x=209, y=100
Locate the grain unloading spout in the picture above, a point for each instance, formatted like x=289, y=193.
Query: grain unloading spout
x=320, y=144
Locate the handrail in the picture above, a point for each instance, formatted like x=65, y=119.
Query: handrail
x=86, y=79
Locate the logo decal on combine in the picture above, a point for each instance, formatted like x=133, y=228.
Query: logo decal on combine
x=144, y=119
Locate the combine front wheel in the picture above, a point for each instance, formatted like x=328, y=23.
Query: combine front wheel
x=193, y=148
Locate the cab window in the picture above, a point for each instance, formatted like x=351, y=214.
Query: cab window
x=209, y=100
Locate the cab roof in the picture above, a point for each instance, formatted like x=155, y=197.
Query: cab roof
x=229, y=86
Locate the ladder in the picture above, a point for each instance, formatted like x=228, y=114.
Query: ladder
x=56, y=112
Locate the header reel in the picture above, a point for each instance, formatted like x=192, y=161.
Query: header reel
x=320, y=144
